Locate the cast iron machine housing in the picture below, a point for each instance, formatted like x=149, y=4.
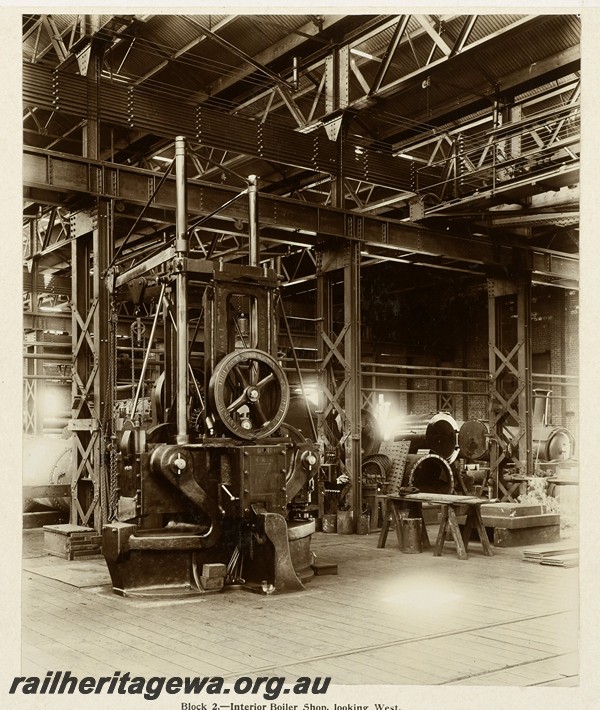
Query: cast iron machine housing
x=213, y=477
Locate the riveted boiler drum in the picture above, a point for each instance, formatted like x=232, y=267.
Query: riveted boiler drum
x=46, y=460
x=441, y=436
x=429, y=473
x=553, y=443
x=473, y=439
x=436, y=432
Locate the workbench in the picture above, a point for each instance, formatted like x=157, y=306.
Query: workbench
x=451, y=506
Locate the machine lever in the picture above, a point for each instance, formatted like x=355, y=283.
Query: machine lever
x=229, y=493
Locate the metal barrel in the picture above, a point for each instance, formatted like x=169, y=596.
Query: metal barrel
x=299, y=537
x=411, y=535
x=345, y=522
x=329, y=522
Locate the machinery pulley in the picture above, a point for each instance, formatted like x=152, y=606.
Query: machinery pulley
x=249, y=393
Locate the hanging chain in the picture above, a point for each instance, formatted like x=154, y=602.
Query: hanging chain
x=111, y=400
x=138, y=341
x=133, y=330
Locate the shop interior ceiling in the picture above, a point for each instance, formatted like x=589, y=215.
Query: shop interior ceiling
x=467, y=125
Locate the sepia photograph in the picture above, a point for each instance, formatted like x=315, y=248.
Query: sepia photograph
x=301, y=352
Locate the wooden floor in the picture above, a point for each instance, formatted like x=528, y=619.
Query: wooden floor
x=386, y=618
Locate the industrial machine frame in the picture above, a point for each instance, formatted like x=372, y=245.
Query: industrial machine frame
x=215, y=474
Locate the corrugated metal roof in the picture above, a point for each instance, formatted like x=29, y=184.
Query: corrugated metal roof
x=168, y=55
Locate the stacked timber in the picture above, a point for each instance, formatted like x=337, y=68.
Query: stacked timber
x=562, y=556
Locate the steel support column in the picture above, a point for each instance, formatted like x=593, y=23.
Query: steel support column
x=34, y=382
x=91, y=395
x=339, y=357
x=510, y=413
x=91, y=236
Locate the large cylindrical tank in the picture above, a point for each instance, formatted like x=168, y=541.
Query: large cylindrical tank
x=429, y=473
x=473, y=439
x=437, y=432
x=552, y=443
x=47, y=460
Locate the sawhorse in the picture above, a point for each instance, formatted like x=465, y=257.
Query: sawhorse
x=451, y=505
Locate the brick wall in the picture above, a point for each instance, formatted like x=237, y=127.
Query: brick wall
x=446, y=325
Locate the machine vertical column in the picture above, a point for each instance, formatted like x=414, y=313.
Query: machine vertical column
x=102, y=245
x=254, y=249
x=352, y=351
x=182, y=248
x=253, y=219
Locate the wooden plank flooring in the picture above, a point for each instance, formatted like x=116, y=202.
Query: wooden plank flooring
x=386, y=618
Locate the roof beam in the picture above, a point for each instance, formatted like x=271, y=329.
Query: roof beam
x=240, y=53
x=56, y=39
x=70, y=174
x=417, y=74
x=180, y=52
x=565, y=62
x=434, y=34
x=275, y=51
x=128, y=107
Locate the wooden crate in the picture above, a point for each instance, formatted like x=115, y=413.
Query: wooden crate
x=71, y=541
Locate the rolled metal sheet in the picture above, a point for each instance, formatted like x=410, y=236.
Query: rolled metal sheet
x=429, y=473
x=441, y=436
x=550, y=443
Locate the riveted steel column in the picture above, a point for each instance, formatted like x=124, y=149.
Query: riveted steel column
x=525, y=375
x=91, y=410
x=510, y=406
x=34, y=368
x=339, y=357
x=182, y=249
x=324, y=328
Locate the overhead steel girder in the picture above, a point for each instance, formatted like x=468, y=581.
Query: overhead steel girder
x=467, y=42
x=152, y=112
x=298, y=221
